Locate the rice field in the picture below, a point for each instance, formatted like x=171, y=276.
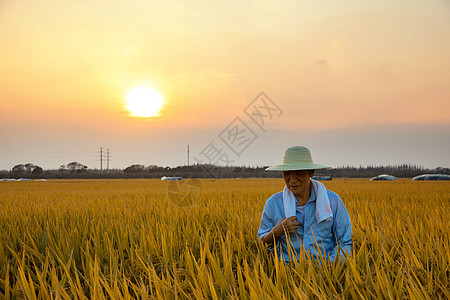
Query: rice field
x=114, y=239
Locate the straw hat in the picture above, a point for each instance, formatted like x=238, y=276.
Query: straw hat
x=297, y=158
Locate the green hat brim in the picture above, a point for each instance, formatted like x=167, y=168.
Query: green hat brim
x=297, y=167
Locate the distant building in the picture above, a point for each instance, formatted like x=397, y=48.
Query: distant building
x=322, y=178
x=383, y=177
x=432, y=177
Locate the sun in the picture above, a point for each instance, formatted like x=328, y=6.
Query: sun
x=144, y=102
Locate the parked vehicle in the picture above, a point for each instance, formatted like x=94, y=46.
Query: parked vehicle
x=383, y=177
x=432, y=177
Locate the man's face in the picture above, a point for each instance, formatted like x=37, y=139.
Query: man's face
x=297, y=181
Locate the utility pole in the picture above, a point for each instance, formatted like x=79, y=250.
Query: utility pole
x=188, y=155
x=107, y=157
x=101, y=159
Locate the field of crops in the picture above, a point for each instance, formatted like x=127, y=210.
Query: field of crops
x=94, y=239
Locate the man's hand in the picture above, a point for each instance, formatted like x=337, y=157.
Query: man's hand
x=286, y=225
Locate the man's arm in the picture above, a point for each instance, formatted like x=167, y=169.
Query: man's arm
x=342, y=230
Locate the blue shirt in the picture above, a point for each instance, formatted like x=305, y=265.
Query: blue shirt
x=300, y=212
x=316, y=238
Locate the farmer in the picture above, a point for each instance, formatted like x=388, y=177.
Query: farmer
x=305, y=216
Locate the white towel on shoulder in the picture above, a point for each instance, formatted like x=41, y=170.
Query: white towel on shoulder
x=323, y=208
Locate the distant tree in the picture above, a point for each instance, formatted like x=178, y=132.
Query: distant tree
x=238, y=170
x=134, y=169
x=76, y=167
x=25, y=170
x=30, y=167
x=37, y=171
x=442, y=170
x=154, y=169
x=19, y=169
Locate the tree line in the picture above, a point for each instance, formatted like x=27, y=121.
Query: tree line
x=76, y=170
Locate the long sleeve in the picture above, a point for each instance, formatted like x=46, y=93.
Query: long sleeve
x=266, y=224
x=342, y=230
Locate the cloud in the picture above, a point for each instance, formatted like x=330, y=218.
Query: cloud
x=321, y=62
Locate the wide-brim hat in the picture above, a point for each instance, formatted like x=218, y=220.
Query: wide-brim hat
x=297, y=158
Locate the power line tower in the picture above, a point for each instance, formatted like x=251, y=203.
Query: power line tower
x=108, y=156
x=101, y=159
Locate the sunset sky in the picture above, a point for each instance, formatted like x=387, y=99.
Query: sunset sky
x=357, y=82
